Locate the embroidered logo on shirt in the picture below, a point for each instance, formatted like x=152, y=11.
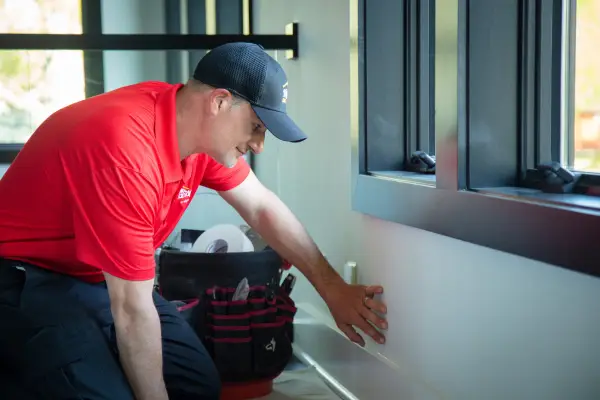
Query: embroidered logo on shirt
x=184, y=195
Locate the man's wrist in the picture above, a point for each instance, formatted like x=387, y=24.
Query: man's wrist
x=326, y=277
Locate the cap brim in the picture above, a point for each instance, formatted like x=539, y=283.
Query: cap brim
x=280, y=125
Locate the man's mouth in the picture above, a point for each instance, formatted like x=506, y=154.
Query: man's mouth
x=241, y=152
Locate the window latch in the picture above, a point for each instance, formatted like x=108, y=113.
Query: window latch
x=551, y=177
x=421, y=162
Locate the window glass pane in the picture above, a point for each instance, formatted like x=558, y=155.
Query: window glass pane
x=33, y=85
x=40, y=16
x=587, y=86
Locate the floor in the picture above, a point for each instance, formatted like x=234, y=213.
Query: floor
x=300, y=382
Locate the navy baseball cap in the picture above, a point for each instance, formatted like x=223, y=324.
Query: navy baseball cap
x=247, y=71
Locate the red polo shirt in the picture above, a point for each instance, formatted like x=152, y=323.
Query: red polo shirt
x=100, y=185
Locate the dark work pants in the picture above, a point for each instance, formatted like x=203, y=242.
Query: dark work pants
x=57, y=341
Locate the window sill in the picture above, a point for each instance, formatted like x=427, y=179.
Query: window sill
x=406, y=177
x=568, y=201
x=557, y=229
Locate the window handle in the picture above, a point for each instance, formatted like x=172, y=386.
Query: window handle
x=551, y=177
x=421, y=162
x=558, y=171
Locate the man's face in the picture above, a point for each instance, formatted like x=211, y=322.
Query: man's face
x=235, y=130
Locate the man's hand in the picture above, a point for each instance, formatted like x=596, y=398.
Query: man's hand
x=274, y=221
x=355, y=305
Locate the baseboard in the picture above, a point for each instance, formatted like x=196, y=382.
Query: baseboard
x=350, y=370
x=339, y=389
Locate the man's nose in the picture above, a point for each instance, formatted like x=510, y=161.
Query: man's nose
x=257, y=146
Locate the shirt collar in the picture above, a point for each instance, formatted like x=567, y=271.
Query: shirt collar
x=166, y=134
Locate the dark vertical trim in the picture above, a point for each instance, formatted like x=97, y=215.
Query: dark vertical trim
x=426, y=75
x=411, y=79
x=173, y=27
x=549, y=83
x=93, y=61
x=461, y=143
x=196, y=18
x=527, y=87
x=230, y=18
x=360, y=65
x=556, y=79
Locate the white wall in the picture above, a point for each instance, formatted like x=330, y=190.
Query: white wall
x=466, y=321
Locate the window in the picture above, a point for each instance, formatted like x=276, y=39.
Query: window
x=398, y=73
x=35, y=83
x=558, y=96
x=54, y=53
x=516, y=117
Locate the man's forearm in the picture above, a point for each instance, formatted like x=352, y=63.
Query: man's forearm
x=140, y=349
x=286, y=235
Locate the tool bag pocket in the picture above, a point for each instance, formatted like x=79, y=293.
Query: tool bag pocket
x=248, y=339
x=286, y=311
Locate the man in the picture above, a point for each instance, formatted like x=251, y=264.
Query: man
x=96, y=190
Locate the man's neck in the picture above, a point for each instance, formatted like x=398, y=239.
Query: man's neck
x=184, y=111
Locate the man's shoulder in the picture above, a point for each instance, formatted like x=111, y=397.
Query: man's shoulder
x=118, y=127
x=152, y=88
x=139, y=98
x=128, y=109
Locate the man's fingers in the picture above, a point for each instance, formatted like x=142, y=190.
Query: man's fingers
x=373, y=290
x=352, y=334
x=376, y=305
x=370, y=330
x=372, y=317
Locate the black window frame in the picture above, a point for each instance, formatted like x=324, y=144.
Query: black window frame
x=506, y=121
x=233, y=22
x=93, y=65
x=401, y=127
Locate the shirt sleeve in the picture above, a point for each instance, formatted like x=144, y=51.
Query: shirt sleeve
x=113, y=216
x=221, y=178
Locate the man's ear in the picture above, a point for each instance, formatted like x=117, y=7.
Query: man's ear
x=222, y=98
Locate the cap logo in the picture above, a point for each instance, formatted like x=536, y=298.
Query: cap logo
x=285, y=93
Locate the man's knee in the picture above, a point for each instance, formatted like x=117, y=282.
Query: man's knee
x=198, y=381
x=213, y=381
x=189, y=371
x=73, y=359
x=212, y=386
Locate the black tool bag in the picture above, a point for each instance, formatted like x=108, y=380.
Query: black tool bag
x=250, y=339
